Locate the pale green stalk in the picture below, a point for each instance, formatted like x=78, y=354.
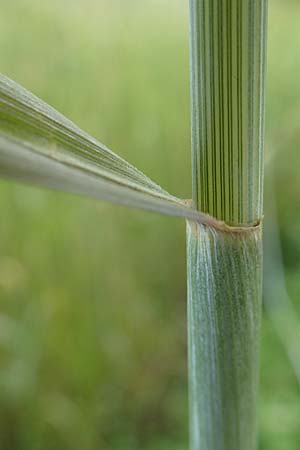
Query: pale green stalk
x=224, y=267
x=224, y=294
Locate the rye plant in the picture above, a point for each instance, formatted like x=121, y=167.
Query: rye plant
x=224, y=239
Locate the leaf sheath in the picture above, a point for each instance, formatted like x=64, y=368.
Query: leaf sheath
x=224, y=310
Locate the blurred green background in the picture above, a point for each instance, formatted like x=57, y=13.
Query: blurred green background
x=92, y=296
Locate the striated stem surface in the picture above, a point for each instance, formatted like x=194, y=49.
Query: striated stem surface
x=228, y=40
x=224, y=309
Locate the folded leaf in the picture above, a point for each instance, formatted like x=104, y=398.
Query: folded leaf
x=40, y=146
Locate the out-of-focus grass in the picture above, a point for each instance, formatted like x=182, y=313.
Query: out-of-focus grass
x=92, y=319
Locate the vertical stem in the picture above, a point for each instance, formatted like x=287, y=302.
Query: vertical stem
x=224, y=267
x=224, y=304
x=227, y=94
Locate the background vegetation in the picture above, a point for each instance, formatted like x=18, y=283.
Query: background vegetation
x=92, y=296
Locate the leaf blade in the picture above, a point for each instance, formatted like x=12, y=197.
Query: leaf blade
x=39, y=145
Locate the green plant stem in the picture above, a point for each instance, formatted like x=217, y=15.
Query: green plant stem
x=224, y=268
x=227, y=94
x=224, y=304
